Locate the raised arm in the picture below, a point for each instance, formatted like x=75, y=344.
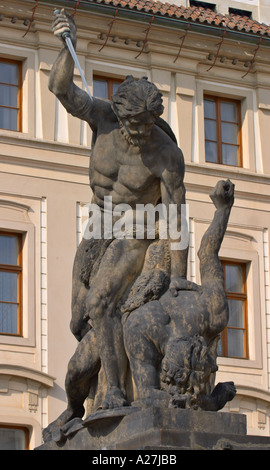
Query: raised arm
x=75, y=100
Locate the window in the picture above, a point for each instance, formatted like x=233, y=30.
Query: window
x=10, y=95
x=14, y=438
x=222, y=131
x=200, y=4
x=234, y=341
x=105, y=87
x=10, y=283
x=236, y=11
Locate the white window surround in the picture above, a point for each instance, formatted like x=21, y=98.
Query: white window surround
x=253, y=301
x=14, y=218
x=251, y=151
x=31, y=107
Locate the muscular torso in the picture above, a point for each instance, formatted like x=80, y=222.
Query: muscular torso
x=128, y=173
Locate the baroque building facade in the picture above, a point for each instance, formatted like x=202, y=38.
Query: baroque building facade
x=211, y=61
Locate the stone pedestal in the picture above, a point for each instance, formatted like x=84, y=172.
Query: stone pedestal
x=156, y=428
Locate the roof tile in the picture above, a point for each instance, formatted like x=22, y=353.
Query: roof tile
x=192, y=14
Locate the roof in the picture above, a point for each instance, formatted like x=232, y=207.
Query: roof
x=192, y=14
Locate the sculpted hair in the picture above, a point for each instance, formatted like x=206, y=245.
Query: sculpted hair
x=136, y=96
x=186, y=369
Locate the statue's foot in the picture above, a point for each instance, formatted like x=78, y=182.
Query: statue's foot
x=114, y=399
x=223, y=194
x=54, y=428
x=222, y=393
x=226, y=390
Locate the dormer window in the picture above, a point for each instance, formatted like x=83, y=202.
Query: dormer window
x=206, y=5
x=240, y=12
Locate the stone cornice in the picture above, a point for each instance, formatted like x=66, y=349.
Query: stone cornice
x=27, y=373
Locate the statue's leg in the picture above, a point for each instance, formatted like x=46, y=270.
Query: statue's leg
x=84, y=365
x=121, y=263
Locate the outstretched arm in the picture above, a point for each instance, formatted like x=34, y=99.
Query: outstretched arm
x=212, y=276
x=223, y=198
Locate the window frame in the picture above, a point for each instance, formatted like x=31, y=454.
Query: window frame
x=20, y=428
x=19, y=94
x=18, y=269
x=219, y=142
x=110, y=81
x=236, y=296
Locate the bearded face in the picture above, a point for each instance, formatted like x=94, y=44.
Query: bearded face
x=137, y=104
x=137, y=129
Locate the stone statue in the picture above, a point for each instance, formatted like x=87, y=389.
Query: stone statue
x=133, y=309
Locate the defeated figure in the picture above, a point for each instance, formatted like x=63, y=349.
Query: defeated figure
x=172, y=342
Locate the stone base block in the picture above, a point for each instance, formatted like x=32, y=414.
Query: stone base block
x=155, y=428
